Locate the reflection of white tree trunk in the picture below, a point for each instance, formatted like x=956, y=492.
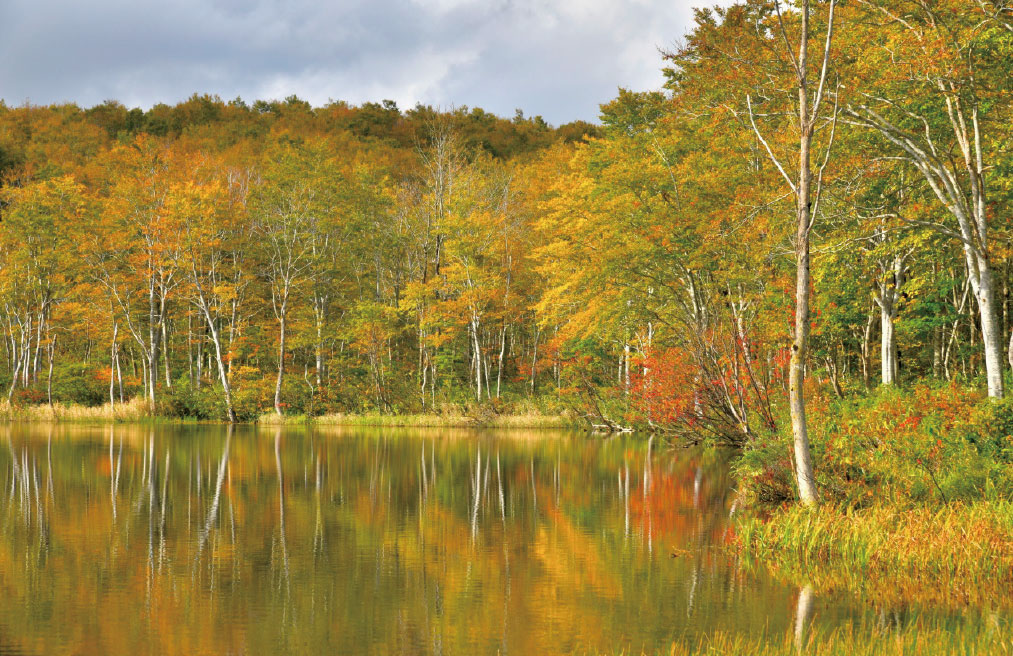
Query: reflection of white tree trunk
x=281, y=505
x=478, y=494
x=803, y=614
x=626, y=499
x=649, y=519
x=318, y=533
x=697, y=482
x=499, y=482
x=152, y=470
x=49, y=463
x=534, y=492
x=424, y=479
x=212, y=515
x=112, y=473
x=162, y=504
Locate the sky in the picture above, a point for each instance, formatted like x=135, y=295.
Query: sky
x=556, y=58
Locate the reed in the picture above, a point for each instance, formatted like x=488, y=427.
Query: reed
x=955, y=554
x=529, y=420
x=864, y=638
x=133, y=410
x=850, y=641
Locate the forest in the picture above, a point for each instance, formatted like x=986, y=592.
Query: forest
x=808, y=224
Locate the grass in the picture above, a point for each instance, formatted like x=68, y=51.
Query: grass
x=913, y=639
x=956, y=554
x=449, y=421
x=917, y=489
x=134, y=410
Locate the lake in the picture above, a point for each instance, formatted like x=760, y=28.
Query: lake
x=205, y=540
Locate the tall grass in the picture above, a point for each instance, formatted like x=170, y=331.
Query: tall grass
x=136, y=410
x=447, y=421
x=848, y=642
x=954, y=554
x=133, y=410
x=879, y=637
x=909, y=641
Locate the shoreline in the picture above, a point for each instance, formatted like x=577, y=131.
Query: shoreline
x=137, y=412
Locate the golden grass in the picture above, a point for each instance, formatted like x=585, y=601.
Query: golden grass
x=133, y=410
x=447, y=421
x=915, y=639
x=956, y=554
x=137, y=410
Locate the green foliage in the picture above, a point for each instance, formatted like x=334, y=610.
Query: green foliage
x=76, y=383
x=990, y=429
x=206, y=403
x=927, y=444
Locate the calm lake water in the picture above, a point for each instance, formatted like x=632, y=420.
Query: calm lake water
x=197, y=540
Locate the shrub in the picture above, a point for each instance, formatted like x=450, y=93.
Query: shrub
x=187, y=402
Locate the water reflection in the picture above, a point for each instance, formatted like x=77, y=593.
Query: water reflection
x=207, y=540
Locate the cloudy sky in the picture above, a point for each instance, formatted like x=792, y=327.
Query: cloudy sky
x=557, y=58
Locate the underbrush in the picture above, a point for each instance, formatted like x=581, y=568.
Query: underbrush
x=916, y=492
x=928, y=444
x=518, y=414
x=132, y=410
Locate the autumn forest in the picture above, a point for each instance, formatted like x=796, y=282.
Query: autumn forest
x=795, y=259
x=219, y=260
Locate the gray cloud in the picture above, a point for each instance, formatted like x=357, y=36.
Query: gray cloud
x=557, y=58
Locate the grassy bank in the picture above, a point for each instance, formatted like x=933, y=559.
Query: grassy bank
x=917, y=499
x=425, y=421
x=954, y=555
x=137, y=410
x=881, y=639
x=529, y=421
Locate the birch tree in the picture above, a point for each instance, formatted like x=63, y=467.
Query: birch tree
x=810, y=112
x=933, y=86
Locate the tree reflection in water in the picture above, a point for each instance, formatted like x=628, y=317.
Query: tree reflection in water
x=209, y=540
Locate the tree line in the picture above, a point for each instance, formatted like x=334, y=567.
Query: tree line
x=274, y=256
x=816, y=203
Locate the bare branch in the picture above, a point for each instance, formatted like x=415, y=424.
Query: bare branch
x=773, y=158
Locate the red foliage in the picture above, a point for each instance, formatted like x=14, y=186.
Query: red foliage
x=663, y=387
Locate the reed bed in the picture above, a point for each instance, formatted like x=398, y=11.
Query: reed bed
x=528, y=421
x=137, y=410
x=916, y=638
x=133, y=410
x=955, y=554
x=905, y=641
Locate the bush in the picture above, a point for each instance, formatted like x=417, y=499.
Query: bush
x=929, y=442
x=184, y=401
x=990, y=429
x=76, y=383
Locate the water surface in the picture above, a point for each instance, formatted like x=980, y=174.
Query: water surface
x=201, y=540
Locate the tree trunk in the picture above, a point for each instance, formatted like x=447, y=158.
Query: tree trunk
x=796, y=373
x=1009, y=352
x=223, y=374
x=49, y=378
x=119, y=373
x=991, y=335
x=165, y=353
x=478, y=358
x=888, y=346
x=281, y=360
x=804, y=474
x=112, y=366
x=534, y=360
x=502, y=352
